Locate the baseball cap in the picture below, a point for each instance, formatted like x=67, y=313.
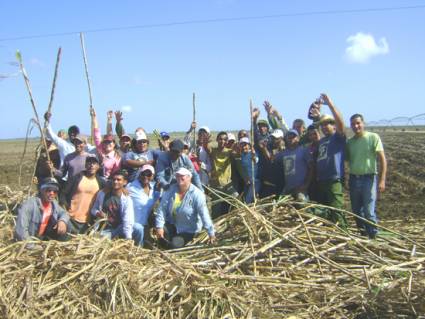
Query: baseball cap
x=147, y=167
x=176, y=145
x=295, y=132
x=277, y=133
x=184, y=172
x=263, y=122
x=49, y=182
x=311, y=127
x=231, y=137
x=92, y=158
x=326, y=119
x=205, y=128
x=140, y=135
x=125, y=135
x=108, y=138
x=244, y=140
x=164, y=135
x=80, y=138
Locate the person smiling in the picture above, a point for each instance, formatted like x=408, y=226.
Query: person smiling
x=41, y=216
x=330, y=162
x=144, y=195
x=113, y=204
x=183, y=212
x=364, y=181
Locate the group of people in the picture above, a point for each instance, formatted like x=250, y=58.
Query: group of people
x=125, y=189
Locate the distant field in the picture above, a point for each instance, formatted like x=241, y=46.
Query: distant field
x=405, y=185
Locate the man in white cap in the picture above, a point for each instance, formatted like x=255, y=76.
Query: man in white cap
x=41, y=216
x=139, y=156
x=183, y=212
x=144, y=195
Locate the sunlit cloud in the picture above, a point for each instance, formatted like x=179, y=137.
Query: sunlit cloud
x=362, y=47
x=126, y=108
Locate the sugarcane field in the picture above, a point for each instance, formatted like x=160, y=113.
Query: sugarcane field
x=215, y=159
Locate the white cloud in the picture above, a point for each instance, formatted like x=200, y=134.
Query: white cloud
x=37, y=62
x=126, y=108
x=362, y=47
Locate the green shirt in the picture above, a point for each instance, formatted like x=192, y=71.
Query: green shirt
x=361, y=153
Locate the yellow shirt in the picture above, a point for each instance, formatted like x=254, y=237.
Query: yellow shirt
x=221, y=174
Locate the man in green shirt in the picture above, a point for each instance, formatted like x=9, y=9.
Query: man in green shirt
x=363, y=150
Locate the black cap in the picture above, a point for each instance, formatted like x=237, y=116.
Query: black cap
x=74, y=128
x=49, y=182
x=92, y=158
x=176, y=145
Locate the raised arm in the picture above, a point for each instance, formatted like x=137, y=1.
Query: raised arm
x=275, y=119
x=119, y=128
x=109, y=116
x=96, y=130
x=64, y=146
x=339, y=121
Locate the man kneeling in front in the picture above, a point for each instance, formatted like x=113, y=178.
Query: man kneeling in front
x=183, y=212
x=41, y=216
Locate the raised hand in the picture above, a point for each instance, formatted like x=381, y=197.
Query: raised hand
x=118, y=116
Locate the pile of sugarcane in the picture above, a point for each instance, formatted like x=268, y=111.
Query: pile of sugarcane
x=274, y=260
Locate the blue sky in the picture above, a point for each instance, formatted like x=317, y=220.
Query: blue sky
x=153, y=71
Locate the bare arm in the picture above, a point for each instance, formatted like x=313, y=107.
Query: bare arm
x=339, y=121
x=382, y=171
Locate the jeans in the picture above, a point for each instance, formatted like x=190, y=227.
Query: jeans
x=170, y=233
x=249, y=194
x=363, y=200
x=138, y=234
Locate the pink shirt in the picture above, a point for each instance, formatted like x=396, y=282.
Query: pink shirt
x=111, y=162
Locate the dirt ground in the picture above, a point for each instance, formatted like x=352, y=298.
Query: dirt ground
x=403, y=199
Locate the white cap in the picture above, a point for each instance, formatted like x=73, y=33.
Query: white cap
x=205, y=128
x=140, y=135
x=183, y=171
x=244, y=140
x=148, y=167
x=277, y=133
x=231, y=137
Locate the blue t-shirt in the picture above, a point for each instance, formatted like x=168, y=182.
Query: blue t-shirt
x=330, y=158
x=295, y=166
x=133, y=172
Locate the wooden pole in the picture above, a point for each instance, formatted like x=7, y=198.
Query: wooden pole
x=52, y=92
x=252, y=153
x=27, y=84
x=83, y=48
